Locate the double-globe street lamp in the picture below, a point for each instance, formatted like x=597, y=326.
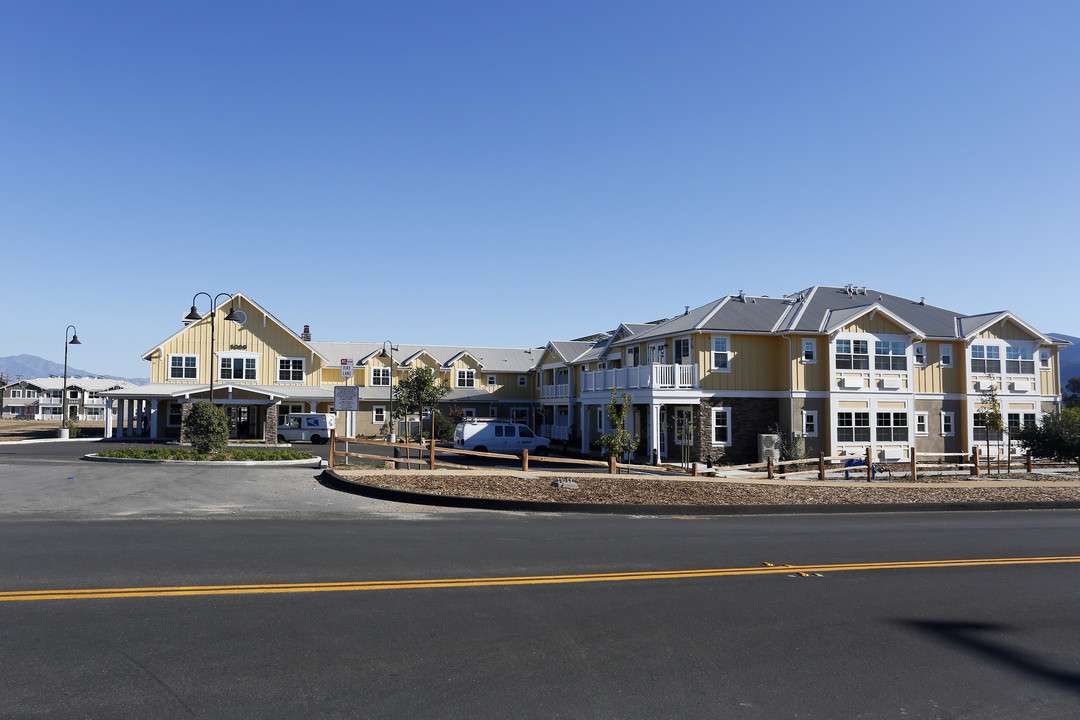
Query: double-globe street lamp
x=194, y=316
x=63, y=397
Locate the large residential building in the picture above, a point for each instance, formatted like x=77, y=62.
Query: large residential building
x=42, y=398
x=835, y=369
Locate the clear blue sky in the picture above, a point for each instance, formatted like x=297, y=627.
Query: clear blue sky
x=510, y=173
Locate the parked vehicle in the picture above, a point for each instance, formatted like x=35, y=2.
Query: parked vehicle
x=498, y=436
x=313, y=427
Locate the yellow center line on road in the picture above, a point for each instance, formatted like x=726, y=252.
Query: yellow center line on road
x=14, y=595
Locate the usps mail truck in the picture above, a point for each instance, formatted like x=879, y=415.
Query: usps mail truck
x=312, y=427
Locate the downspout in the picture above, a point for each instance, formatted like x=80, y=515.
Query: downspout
x=791, y=385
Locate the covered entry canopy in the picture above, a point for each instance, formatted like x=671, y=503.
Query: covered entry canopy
x=154, y=410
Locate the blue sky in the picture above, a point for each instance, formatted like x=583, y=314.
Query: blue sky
x=511, y=173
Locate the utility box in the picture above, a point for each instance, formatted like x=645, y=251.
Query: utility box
x=768, y=446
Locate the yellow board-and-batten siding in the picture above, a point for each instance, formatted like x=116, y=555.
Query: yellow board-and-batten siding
x=754, y=363
x=266, y=341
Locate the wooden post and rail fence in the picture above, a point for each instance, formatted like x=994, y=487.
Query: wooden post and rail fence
x=771, y=469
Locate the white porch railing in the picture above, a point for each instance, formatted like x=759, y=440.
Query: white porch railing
x=555, y=391
x=555, y=432
x=656, y=377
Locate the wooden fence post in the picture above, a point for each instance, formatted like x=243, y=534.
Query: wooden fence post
x=431, y=455
x=333, y=446
x=768, y=467
x=525, y=459
x=821, y=466
x=869, y=465
x=914, y=466
x=611, y=465
x=975, y=460
x=1028, y=461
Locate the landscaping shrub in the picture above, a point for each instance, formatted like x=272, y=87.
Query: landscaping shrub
x=206, y=428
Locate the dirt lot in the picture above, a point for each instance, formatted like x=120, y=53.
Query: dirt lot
x=11, y=430
x=650, y=489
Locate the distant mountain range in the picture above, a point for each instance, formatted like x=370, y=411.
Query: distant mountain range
x=28, y=367
x=1069, y=357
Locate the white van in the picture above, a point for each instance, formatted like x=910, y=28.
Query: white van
x=314, y=427
x=498, y=436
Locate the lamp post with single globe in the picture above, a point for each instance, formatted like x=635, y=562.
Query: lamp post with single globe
x=63, y=397
x=390, y=387
x=195, y=316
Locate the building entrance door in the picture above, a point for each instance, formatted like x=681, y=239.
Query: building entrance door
x=239, y=421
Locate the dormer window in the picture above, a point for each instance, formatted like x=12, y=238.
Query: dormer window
x=466, y=378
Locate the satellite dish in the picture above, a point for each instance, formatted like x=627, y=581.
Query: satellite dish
x=240, y=317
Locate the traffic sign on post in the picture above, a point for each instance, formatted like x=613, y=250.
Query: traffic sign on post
x=346, y=367
x=346, y=398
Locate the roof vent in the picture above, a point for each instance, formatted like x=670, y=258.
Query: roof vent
x=687, y=310
x=742, y=296
x=922, y=301
x=306, y=335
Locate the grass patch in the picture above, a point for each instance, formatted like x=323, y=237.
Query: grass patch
x=182, y=453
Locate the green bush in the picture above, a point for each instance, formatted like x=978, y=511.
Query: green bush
x=444, y=428
x=206, y=428
x=73, y=427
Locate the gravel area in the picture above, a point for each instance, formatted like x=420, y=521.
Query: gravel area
x=655, y=490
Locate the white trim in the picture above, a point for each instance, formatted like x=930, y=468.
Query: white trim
x=712, y=428
x=239, y=355
x=375, y=410
x=811, y=344
x=169, y=367
x=811, y=415
x=925, y=417
x=942, y=354
x=492, y=379
x=951, y=417
x=303, y=370
x=713, y=352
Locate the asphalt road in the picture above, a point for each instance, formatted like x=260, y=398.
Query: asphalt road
x=552, y=632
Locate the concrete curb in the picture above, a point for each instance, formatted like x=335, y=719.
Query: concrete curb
x=49, y=440
x=312, y=463
x=331, y=479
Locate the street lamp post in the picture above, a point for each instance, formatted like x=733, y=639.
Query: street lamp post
x=195, y=316
x=390, y=387
x=63, y=393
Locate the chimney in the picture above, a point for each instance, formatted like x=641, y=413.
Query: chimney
x=306, y=335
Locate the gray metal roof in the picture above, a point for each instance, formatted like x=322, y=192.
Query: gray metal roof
x=513, y=360
x=819, y=300
x=571, y=350
x=91, y=384
x=179, y=390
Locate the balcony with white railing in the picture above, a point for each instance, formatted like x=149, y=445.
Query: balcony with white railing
x=555, y=391
x=50, y=401
x=555, y=432
x=94, y=402
x=652, y=377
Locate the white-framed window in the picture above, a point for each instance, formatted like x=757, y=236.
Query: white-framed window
x=921, y=423
x=809, y=351
x=175, y=415
x=920, y=355
x=290, y=369
x=183, y=367
x=493, y=411
x=600, y=420
x=721, y=426
x=945, y=353
x=948, y=424
x=378, y=414
x=466, y=378
x=633, y=356
x=1020, y=360
x=985, y=359
x=852, y=427
x=892, y=427
x=658, y=353
x=682, y=351
x=523, y=381
x=492, y=380
x=981, y=433
x=721, y=353
x=31, y=393
x=1020, y=420
x=852, y=355
x=380, y=376
x=54, y=394
x=468, y=413
x=810, y=423
x=890, y=355
x=238, y=367
x=16, y=393
x=94, y=413
x=73, y=394
x=1044, y=360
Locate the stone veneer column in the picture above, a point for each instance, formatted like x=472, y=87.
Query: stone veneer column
x=270, y=424
x=185, y=410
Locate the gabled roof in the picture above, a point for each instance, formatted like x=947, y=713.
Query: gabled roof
x=972, y=325
x=836, y=319
x=180, y=390
x=90, y=384
x=513, y=360
x=464, y=353
x=819, y=301
x=570, y=350
x=233, y=299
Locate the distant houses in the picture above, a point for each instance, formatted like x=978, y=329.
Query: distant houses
x=42, y=398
